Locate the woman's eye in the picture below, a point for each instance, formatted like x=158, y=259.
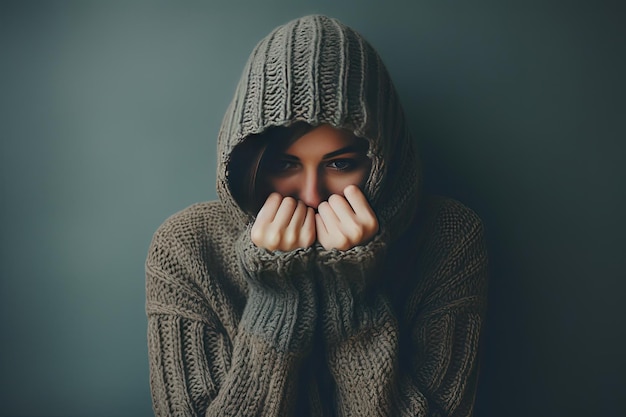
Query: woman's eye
x=279, y=166
x=342, y=164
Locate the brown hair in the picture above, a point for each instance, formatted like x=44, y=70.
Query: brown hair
x=247, y=160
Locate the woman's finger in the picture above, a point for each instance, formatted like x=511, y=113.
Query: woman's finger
x=320, y=229
x=327, y=214
x=358, y=202
x=284, y=213
x=297, y=218
x=341, y=208
x=269, y=209
x=364, y=213
x=291, y=234
x=307, y=233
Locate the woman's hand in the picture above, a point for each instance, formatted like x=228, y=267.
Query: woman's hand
x=283, y=224
x=344, y=222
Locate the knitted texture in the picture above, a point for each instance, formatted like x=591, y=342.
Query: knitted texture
x=388, y=328
x=317, y=70
x=406, y=346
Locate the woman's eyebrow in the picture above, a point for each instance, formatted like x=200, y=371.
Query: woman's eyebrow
x=289, y=157
x=341, y=151
x=346, y=149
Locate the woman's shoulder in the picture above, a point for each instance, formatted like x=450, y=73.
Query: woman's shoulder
x=445, y=226
x=441, y=227
x=448, y=217
x=196, y=223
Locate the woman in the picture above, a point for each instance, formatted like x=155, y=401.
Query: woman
x=321, y=283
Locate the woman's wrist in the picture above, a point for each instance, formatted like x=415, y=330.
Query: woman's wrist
x=349, y=288
x=282, y=304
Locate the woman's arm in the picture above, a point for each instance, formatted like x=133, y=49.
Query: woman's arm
x=197, y=367
x=419, y=359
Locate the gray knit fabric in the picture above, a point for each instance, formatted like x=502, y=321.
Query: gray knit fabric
x=317, y=70
x=389, y=328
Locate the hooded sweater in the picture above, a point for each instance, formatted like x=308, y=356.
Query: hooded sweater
x=387, y=328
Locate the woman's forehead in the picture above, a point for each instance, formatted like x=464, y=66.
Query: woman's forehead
x=325, y=139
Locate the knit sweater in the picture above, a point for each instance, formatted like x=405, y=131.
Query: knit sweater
x=388, y=328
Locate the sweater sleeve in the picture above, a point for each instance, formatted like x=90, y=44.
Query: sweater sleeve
x=197, y=368
x=419, y=359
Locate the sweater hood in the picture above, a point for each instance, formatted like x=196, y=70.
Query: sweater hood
x=317, y=70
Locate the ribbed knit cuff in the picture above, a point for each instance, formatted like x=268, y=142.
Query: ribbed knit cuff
x=348, y=288
x=281, y=305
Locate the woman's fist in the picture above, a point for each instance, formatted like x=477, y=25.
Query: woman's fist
x=283, y=224
x=344, y=222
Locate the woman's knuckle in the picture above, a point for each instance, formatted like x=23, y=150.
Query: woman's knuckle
x=272, y=240
x=290, y=203
x=305, y=236
x=334, y=199
x=256, y=234
x=342, y=241
x=352, y=232
x=288, y=240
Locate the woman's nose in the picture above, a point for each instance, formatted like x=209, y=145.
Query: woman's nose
x=312, y=192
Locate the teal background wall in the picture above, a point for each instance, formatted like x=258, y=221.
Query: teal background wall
x=109, y=113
